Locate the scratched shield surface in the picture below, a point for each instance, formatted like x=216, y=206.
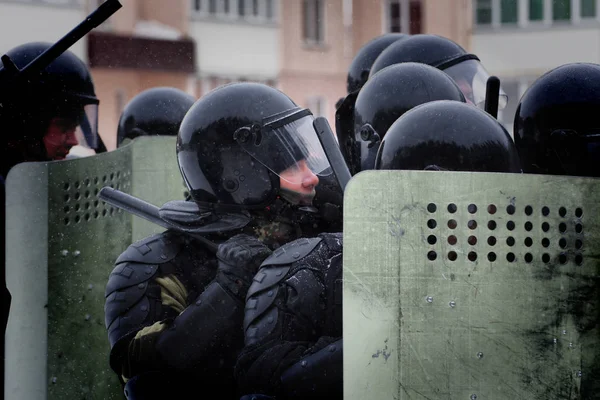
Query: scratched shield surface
x=62, y=242
x=471, y=286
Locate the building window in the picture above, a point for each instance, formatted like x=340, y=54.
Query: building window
x=588, y=8
x=509, y=11
x=561, y=10
x=250, y=10
x=536, y=10
x=483, y=12
x=415, y=17
x=317, y=106
x=212, y=6
x=314, y=21
x=395, y=23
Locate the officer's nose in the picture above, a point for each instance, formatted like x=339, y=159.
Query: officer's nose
x=309, y=179
x=71, y=139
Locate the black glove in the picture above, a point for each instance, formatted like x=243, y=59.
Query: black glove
x=239, y=259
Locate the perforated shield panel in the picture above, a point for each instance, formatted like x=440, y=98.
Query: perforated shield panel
x=471, y=286
x=62, y=242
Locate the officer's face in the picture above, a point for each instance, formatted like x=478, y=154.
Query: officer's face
x=301, y=180
x=59, y=138
x=466, y=89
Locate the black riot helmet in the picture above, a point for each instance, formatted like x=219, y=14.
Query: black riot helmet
x=359, y=69
x=63, y=90
x=156, y=111
x=556, y=127
x=448, y=135
x=385, y=97
x=442, y=53
x=240, y=141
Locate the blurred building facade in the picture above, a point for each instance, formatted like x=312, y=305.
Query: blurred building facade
x=319, y=39
x=519, y=40
x=303, y=47
x=236, y=40
x=192, y=45
x=143, y=45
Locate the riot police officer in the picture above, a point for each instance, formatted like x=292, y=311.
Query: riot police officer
x=251, y=160
x=329, y=195
x=56, y=111
x=382, y=100
x=293, y=321
x=42, y=121
x=448, y=136
x=446, y=55
x=358, y=73
x=556, y=133
x=361, y=64
x=555, y=127
x=155, y=111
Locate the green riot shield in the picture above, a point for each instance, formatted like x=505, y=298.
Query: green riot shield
x=155, y=176
x=471, y=286
x=61, y=245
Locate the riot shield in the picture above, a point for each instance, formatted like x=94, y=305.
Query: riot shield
x=61, y=245
x=156, y=177
x=471, y=286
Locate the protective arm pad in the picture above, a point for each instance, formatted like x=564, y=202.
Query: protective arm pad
x=204, y=331
x=317, y=376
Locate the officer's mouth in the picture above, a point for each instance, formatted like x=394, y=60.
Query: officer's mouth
x=306, y=199
x=298, y=198
x=61, y=155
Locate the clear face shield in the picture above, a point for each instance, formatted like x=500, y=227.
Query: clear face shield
x=86, y=131
x=288, y=146
x=471, y=77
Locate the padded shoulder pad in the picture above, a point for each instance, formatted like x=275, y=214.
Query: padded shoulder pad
x=155, y=249
x=334, y=241
x=127, y=274
x=265, y=278
x=292, y=251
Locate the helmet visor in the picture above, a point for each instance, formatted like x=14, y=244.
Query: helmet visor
x=288, y=147
x=85, y=121
x=472, y=78
x=87, y=131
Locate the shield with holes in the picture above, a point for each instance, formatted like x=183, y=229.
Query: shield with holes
x=471, y=286
x=61, y=245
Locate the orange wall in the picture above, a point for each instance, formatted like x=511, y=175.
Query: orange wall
x=449, y=18
x=108, y=83
x=308, y=71
x=174, y=13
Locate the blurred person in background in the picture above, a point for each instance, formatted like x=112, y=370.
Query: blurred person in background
x=555, y=128
x=156, y=111
x=55, y=112
x=466, y=69
x=384, y=98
